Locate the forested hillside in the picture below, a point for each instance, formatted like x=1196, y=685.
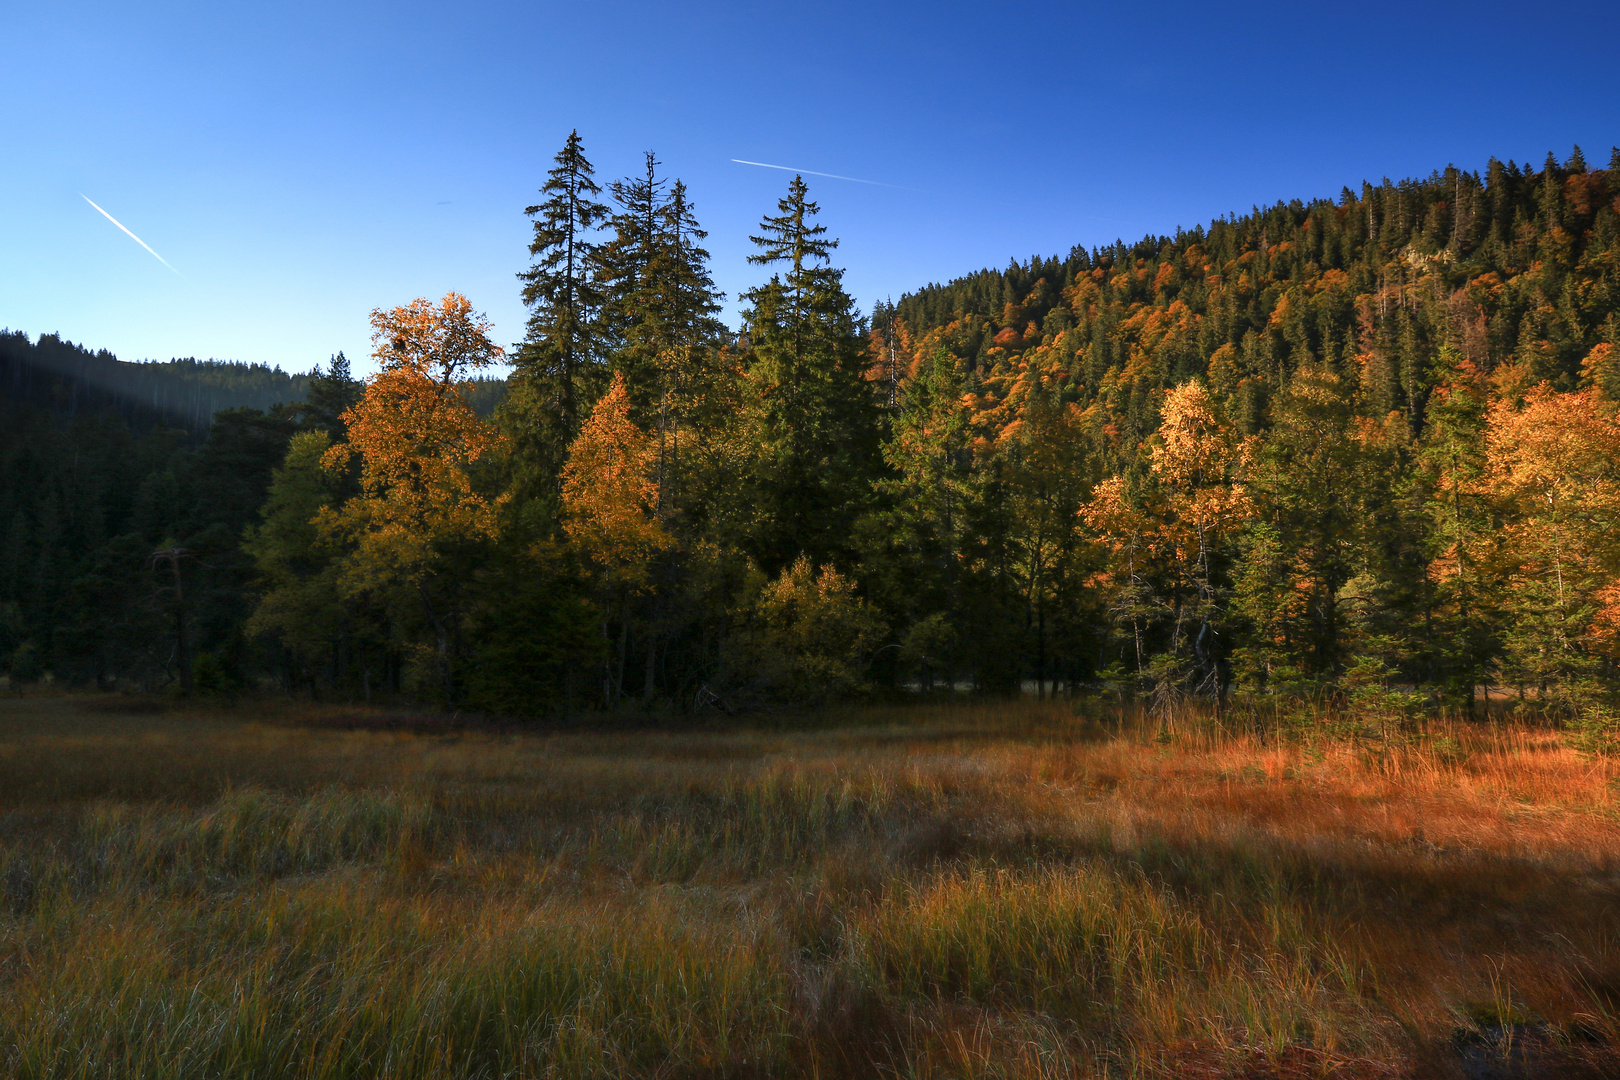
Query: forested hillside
x=1338, y=443
x=1359, y=451
x=69, y=379
x=1515, y=266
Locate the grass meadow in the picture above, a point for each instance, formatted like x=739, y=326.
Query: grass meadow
x=967, y=890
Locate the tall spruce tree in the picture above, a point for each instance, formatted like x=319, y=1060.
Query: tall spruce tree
x=688, y=374
x=818, y=418
x=694, y=303
x=659, y=299
x=560, y=367
x=1461, y=537
x=632, y=313
x=913, y=542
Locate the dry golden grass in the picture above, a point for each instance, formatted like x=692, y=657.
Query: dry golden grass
x=1002, y=890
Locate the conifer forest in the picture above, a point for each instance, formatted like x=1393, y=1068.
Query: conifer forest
x=1362, y=451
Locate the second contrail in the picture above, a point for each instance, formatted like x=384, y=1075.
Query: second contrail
x=127, y=233
x=828, y=175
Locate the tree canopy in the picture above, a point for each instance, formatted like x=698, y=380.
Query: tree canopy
x=1357, y=450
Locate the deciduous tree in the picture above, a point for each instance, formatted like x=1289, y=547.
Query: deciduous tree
x=420, y=446
x=1554, y=464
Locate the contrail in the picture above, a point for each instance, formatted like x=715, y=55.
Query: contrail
x=828, y=175
x=127, y=233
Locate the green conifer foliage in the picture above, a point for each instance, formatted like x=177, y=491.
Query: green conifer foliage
x=561, y=365
x=817, y=415
x=1462, y=535
x=330, y=394
x=660, y=302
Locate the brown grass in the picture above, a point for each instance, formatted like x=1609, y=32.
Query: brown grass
x=934, y=891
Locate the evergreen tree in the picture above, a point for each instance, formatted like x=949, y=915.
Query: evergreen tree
x=1307, y=485
x=1463, y=535
x=330, y=394
x=325, y=638
x=660, y=300
x=634, y=316
x=560, y=366
x=912, y=546
x=818, y=416
x=694, y=303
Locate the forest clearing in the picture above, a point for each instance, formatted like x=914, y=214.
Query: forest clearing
x=1011, y=889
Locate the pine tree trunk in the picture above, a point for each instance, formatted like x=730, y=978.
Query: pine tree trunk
x=182, y=643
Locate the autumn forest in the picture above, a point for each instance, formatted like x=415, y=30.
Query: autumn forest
x=1359, y=452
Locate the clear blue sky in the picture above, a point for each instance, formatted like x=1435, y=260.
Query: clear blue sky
x=299, y=164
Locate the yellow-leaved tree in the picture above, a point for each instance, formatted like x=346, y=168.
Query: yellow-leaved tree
x=420, y=512
x=1554, y=466
x=1167, y=538
x=1200, y=464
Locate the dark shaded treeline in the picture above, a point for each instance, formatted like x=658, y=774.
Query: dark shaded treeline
x=102, y=464
x=68, y=379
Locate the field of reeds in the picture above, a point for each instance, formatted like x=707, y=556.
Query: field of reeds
x=988, y=890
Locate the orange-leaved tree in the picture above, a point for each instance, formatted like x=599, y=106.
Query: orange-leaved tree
x=610, y=496
x=610, y=490
x=419, y=444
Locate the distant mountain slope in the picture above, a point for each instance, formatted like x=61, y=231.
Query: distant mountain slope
x=70, y=379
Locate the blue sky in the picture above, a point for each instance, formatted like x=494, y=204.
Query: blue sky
x=299, y=164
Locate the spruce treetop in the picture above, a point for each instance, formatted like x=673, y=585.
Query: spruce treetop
x=789, y=237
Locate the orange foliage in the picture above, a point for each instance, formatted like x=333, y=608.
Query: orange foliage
x=1199, y=461
x=1601, y=367
x=1009, y=338
x=1558, y=449
x=1121, y=524
x=610, y=492
x=1555, y=463
x=1605, y=629
x=417, y=438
